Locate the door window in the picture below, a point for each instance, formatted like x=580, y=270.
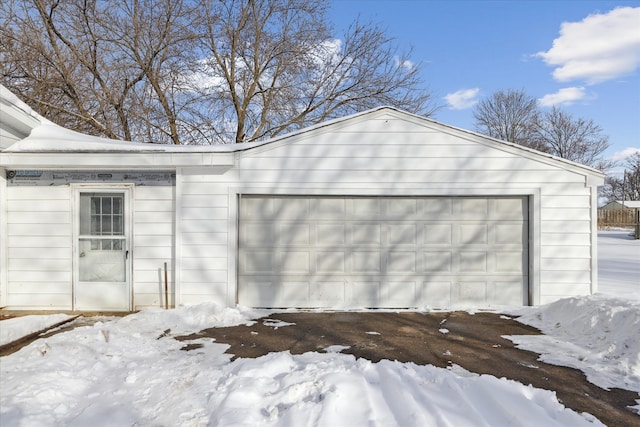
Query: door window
x=102, y=242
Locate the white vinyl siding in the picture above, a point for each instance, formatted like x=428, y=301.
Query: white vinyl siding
x=153, y=242
x=194, y=225
x=391, y=156
x=39, y=253
x=204, y=234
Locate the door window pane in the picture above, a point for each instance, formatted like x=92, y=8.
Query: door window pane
x=102, y=214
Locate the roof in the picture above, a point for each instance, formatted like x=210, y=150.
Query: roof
x=17, y=119
x=48, y=137
x=627, y=203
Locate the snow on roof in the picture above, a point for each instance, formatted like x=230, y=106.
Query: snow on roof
x=11, y=99
x=629, y=203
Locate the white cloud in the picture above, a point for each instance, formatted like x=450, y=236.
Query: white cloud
x=565, y=96
x=409, y=65
x=462, y=99
x=621, y=155
x=600, y=47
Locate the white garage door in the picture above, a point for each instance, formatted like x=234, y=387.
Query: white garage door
x=382, y=252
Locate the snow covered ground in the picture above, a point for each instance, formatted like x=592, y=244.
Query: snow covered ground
x=129, y=371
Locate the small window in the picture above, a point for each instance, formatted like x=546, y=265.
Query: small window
x=101, y=214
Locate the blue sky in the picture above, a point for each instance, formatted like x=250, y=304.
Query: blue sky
x=580, y=55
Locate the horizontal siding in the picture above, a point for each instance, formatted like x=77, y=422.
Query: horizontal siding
x=415, y=162
x=372, y=150
x=39, y=300
x=389, y=156
x=39, y=253
x=572, y=226
x=41, y=242
x=153, y=239
x=40, y=264
x=381, y=176
x=204, y=238
x=210, y=201
x=554, y=251
x=566, y=214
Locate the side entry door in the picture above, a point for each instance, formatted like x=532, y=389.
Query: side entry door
x=102, y=260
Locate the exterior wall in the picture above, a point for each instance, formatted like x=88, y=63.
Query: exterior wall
x=3, y=238
x=39, y=238
x=153, y=243
x=391, y=157
x=40, y=246
x=204, y=233
x=567, y=241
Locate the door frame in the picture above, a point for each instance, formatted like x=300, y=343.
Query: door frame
x=127, y=190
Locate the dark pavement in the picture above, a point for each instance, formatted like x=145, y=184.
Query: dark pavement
x=472, y=341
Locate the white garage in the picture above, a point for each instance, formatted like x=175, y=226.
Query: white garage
x=379, y=209
x=382, y=251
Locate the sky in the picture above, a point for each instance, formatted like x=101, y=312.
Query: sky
x=582, y=56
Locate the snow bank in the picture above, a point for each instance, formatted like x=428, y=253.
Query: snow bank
x=19, y=327
x=130, y=371
x=596, y=334
x=619, y=264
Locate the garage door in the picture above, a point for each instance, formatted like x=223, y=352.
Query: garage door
x=382, y=252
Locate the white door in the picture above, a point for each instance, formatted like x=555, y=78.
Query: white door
x=102, y=259
x=390, y=252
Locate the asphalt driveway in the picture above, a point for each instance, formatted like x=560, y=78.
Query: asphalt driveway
x=472, y=341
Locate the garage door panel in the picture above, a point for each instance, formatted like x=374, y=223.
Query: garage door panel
x=401, y=262
x=296, y=262
x=366, y=234
x=440, y=261
x=328, y=209
x=436, y=207
x=401, y=234
x=366, y=262
x=364, y=293
x=402, y=209
x=292, y=234
x=508, y=262
x=365, y=208
x=508, y=292
x=472, y=262
x=507, y=209
x=382, y=252
x=398, y=294
x=330, y=262
x=435, y=293
x=438, y=234
x=327, y=293
x=256, y=261
x=472, y=209
x=256, y=233
x=509, y=234
x=330, y=234
x=473, y=234
x=472, y=292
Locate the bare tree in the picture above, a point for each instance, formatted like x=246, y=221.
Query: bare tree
x=516, y=117
x=198, y=71
x=579, y=140
x=274, y=66
x=627, y=186
x=99, y=67
x=508, y=115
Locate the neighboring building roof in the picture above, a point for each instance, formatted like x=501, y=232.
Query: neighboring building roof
x=632, y=204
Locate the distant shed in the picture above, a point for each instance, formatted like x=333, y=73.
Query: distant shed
x=379, y=209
